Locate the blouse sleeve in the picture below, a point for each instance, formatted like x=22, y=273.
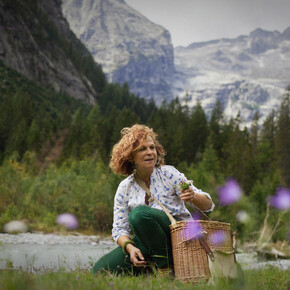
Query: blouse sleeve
x=121, y=214
x=177, y=177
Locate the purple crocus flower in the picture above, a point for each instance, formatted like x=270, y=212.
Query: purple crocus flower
x=281, y=200
x=192, y=230
x=68, y=220
x=196, y=216
x=217, y=238
x=230, y=192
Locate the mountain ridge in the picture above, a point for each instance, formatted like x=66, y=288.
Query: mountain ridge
x=130, y=48
x=247, y=74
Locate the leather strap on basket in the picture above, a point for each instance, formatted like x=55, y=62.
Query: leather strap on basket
x=206, y=247
x=200, y=211
x=152, y=197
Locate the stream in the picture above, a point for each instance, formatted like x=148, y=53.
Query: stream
x=42, y=252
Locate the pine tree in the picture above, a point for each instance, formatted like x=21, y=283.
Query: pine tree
x=33, y=139
x=196, y=133
x=254, y=132
x=283, y=139
x=216, y=127
x=266, y=158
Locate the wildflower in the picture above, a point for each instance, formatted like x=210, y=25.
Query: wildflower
x=196, y=216
x=217, y=238
x=242, y=216
x=281, y=200
x=184, y=185
x=68, y=220
x=230, y=192
x=193, y=230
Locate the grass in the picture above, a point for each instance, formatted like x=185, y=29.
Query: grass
x=268, y=278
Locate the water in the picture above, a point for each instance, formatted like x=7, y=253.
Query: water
x=45, y=257
x=38, y=252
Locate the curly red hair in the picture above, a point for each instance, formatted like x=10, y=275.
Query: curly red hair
x=122, y=160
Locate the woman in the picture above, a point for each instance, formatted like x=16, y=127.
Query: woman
x=139, y=153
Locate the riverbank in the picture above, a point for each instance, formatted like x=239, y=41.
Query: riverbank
x=39, y=252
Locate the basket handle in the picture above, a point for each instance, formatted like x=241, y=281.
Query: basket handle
x=152, y=197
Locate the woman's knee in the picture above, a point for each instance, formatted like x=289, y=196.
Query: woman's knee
x=139, y=215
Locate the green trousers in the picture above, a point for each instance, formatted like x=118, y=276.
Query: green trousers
x=151, y=235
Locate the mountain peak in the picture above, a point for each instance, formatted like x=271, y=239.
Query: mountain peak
x=261, y=33
x=286, y=34
x=129, y=47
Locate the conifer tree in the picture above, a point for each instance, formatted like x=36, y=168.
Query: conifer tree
x=216, y=125
x=196, y=132
x=266, y=158
x=283, y=139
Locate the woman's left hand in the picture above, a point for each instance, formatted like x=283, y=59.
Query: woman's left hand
x=187, y=195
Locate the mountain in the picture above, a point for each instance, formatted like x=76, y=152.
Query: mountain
x=36, y=41
x=247, y=74
x=129, y=47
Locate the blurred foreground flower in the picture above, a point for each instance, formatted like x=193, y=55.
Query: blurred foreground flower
x=15, y=227
x=230, y=192
x=242, y=216
x=281, y=200
x=196, y=216
x=68, y=220
x=193, y=230
x=217, y=238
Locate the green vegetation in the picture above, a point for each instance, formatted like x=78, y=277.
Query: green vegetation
x=270, y=278
x=54, y=153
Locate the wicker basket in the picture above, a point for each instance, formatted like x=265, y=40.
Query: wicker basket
x=189, y=256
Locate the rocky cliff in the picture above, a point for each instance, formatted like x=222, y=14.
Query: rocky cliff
x=130, y=48
x=35, y=40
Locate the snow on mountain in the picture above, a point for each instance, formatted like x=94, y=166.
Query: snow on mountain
x=129, y=47
x=247, y=74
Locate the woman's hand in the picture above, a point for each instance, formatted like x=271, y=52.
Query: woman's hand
x=188, y=195
x=136, y=256
x=200, y=200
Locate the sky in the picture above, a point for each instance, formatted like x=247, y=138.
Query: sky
x=191, y=21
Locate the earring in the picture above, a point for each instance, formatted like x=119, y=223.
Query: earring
x=134, y=167
x=158, y=162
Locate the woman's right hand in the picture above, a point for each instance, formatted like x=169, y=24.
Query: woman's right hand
x=136, y=256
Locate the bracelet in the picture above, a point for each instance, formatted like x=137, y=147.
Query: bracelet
x=125, y=245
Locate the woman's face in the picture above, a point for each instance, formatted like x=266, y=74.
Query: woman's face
x=146, y=155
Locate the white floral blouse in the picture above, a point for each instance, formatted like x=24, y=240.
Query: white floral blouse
x=164, y=183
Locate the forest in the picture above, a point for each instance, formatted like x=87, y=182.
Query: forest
x=54, y=155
